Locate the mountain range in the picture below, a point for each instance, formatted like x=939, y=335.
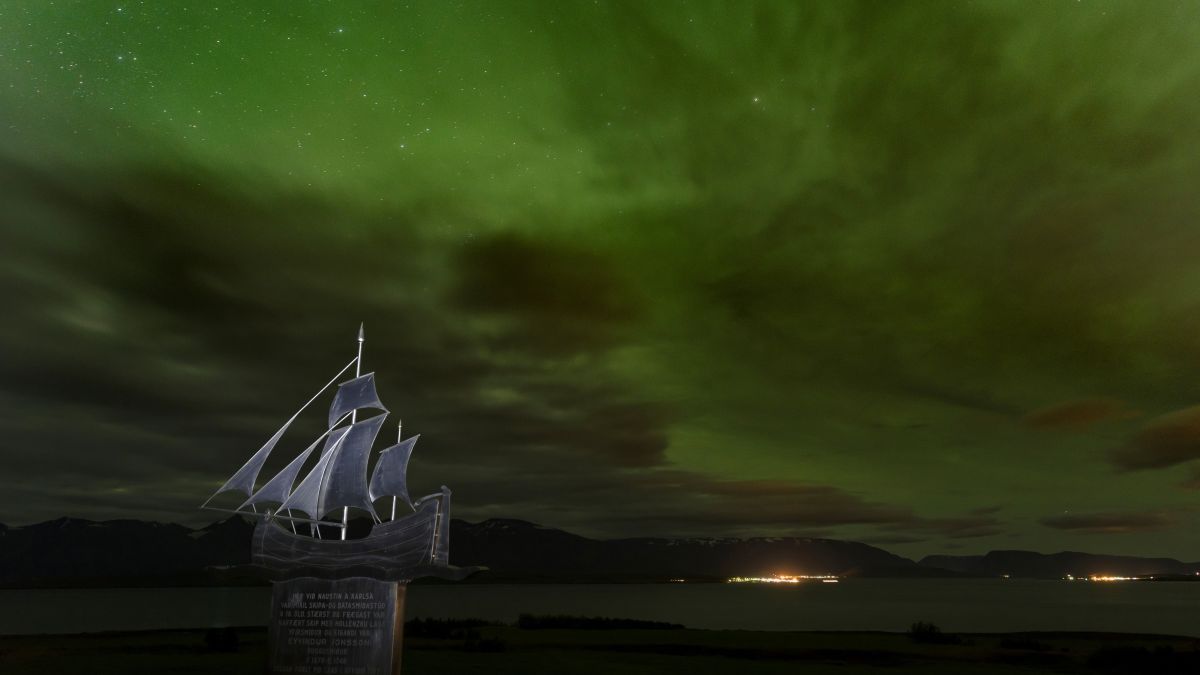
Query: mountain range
x=1027, y=564
x=71, y=551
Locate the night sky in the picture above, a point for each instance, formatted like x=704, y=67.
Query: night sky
x=925, y=275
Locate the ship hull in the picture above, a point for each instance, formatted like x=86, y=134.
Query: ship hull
x=396, y=550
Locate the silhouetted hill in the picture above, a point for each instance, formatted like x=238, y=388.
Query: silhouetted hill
x=517, y=549
x=71, y=551
x=1028, y=564
x=72, y=548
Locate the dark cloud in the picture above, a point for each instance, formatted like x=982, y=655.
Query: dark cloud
x=1078, y=414
x=623, y=271
x=613, y=501
x=682, y=502
x=891, y=539
x=561, y=297
x=180, y=319
x=958, y=527
x=1110, y=522
x=590, y=426
x=669, y=501
x=769, y=502
x=1164, y=441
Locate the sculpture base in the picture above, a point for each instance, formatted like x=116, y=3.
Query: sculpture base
x=349, y=626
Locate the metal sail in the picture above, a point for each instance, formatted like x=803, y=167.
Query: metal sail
x=307, y=495
x=279, y=488
x=332, y=439
x=391, y=469
x=243, y=481
x=355, y=394
x=346, y=479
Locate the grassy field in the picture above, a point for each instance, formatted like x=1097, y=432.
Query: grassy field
x=499, y=650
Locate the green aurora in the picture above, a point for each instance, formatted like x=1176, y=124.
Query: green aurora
x=925, y=275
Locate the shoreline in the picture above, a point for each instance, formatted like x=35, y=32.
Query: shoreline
x=993, y=606
x=500, y=649
x=1050, y=634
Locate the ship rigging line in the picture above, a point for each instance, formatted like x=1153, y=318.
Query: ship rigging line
x=317, y=395
x=328, y=385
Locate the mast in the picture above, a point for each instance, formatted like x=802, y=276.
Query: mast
x=399, y=435
x=353, y=419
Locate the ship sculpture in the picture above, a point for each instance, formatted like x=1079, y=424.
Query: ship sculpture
x=295, y=534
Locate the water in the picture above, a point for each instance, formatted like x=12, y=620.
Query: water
x=975, y=605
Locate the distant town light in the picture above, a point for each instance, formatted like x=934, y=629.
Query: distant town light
x=785, y=579
x=1107, y=577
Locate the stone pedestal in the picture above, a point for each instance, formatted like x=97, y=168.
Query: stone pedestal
x=336, y=627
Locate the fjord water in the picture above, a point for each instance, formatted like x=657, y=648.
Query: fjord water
x=974, y=605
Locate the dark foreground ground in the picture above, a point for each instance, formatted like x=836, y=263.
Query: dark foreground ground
x=497, y=650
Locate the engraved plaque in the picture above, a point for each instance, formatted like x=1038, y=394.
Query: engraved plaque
x=336, y=627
